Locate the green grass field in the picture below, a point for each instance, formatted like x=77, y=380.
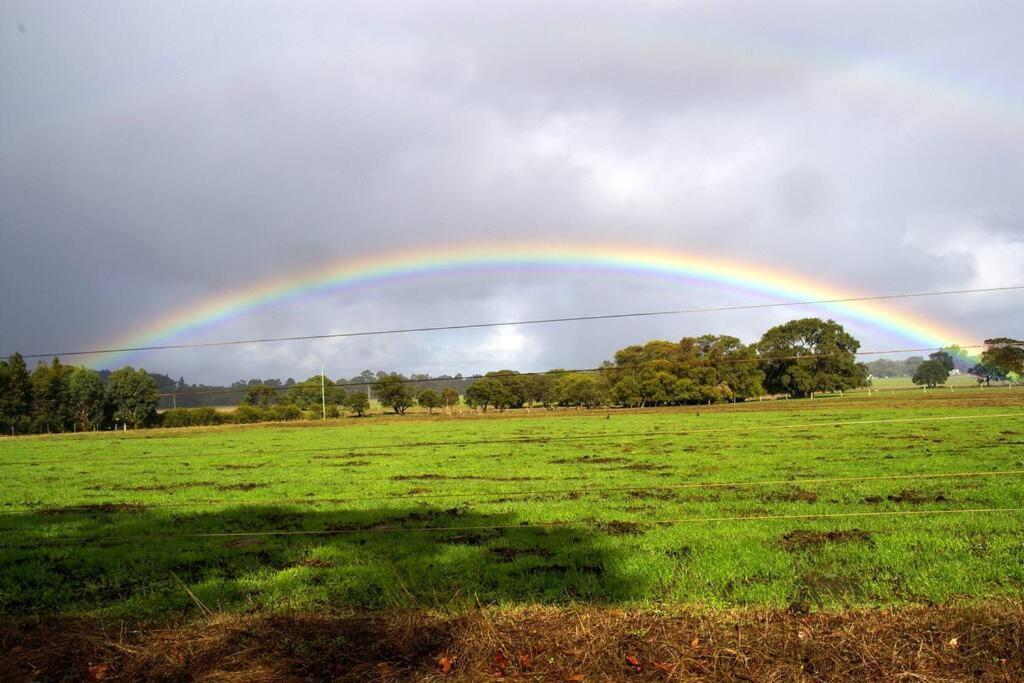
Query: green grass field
x=645, y=508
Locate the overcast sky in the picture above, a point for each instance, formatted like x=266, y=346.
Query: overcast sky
x=154, y=155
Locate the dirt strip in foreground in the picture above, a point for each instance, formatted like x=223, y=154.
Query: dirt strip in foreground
x=980, y=642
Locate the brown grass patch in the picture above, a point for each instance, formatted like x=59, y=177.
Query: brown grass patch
x=643, y=467
x=620, y=528
x=804, y=539
x=589, y=460
x=984, y=642
x=177, y=486
x=466, y=477
x=914, y=496
x=795, y=495
x=246, y=486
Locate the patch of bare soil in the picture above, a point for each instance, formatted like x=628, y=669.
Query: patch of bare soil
x=245, y=486
x=643, y=467
x=619, y=528
x=983, y=642
x=589, y=460
x=314, y=562
x=397, y=521
x=508, y=554
x=467, y=477
x=795, y=495
x=804, y=539
x=177, y=486
x=914, y=496
x=653, y=494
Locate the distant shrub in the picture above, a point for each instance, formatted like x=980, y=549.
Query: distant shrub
x=282, y=412
x=332, y=411
x=249, y=414
x=191, y=417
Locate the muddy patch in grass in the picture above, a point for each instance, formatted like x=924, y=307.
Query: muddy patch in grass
x=507, y=554
x=589, y=460
x=474, y=538
x=245, y=486
x=805, y=539
x=653, y=494
x=248, y=542
x=643, y=467
x=314, y=562
x=915, y=496
x=398, y=521
x=464, y=477
x=177, y=486
x=240, y=466
x=621, y=528
x=794, y=495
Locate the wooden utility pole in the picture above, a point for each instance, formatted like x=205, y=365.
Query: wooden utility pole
x=323, y=393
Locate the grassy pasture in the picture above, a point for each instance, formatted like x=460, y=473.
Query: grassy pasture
x=551, y=508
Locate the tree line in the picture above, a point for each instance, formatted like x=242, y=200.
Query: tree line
x=179, y=393
x=55, y=397
x=799, y=359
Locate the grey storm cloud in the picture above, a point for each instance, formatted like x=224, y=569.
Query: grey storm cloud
x=156, y=155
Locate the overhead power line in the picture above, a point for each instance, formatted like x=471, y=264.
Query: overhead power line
x=538, y=321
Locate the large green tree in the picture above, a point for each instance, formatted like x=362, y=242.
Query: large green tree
x=15, y=395
x=810, y=355
x=1006, y=354
x=393, y=392
x=710, y=368
x=429, y=399
x=580, y=390
x=449, y=398
x=539, y=388
x=931, y=373
x=357, y=402
x=726, y=367
x=987, y=373
x=88, y=398
x=51, y=401
x=307, y=394
x=514, y=395
x=133, y=395
x=262, y=396
x=489, y=391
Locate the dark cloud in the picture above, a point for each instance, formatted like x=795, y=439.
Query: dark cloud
x=154, y=156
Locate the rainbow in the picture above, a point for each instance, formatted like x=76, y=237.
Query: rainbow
x=625, y=260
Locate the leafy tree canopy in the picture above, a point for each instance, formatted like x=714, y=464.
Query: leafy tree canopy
x=392, y=391
x=810, y=355
x=133, y=395
x=931, y=373
x=1006, y=354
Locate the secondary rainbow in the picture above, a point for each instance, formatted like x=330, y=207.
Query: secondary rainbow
x=612, y=258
